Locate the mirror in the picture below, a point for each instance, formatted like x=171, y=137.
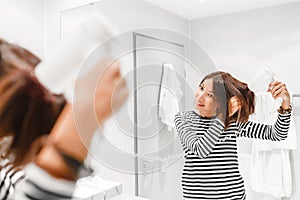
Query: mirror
x=135, y=147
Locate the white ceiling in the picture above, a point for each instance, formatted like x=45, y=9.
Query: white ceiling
x=194, y=9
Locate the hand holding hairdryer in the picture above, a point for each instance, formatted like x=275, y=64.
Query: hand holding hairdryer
x=59, y=70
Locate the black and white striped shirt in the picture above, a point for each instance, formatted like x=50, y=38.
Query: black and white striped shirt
x=39, y=185
x=211, y=162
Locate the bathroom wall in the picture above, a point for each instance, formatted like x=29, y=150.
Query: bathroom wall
x=22, y=22
x=242, y=43
x=125, y=15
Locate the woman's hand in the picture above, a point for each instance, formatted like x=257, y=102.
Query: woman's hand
x=100, y=93
x=278, y=89
x=234, y=105
x=111, y=92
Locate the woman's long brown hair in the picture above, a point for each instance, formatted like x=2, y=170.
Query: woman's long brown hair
x=27, y=109
x=224, y=87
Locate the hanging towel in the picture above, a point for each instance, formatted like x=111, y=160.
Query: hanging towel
x=270, y=170
x=169, y=96
x=270, y=173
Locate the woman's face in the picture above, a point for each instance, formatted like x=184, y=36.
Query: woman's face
x=205, y=99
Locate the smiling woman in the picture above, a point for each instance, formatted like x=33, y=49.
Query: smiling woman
x=209, y=137
x=224, y=92
x=205, y=98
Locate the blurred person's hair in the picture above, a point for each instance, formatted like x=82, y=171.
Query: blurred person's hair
x=13, y=56
x=27, y=109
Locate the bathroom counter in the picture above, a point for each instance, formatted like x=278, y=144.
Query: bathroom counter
x=94, y=187
x=127, y=197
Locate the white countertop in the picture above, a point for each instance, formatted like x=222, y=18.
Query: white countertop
x=91, y=187
x=127, y=197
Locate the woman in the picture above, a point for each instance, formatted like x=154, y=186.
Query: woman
x=71, y=135
x=209, y=137
x=27, y=111
x=59, y=163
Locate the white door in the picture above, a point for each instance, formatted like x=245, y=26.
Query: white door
x=159, y=159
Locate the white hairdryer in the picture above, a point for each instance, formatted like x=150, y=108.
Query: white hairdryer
x=260, y=82
x=59, y=71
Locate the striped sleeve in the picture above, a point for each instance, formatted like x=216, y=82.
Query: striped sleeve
x=38, y=184
x=9, y=177
x=201, y=146
x=276, y=132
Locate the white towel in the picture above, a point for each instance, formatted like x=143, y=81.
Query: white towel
x=169, y=97
x=270, y=173
x=270, y=170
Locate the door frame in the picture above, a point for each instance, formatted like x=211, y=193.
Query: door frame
x=136, y=165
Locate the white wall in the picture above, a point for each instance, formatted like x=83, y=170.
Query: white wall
x=126, y=15
x=242, y=43
x=22, y=22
